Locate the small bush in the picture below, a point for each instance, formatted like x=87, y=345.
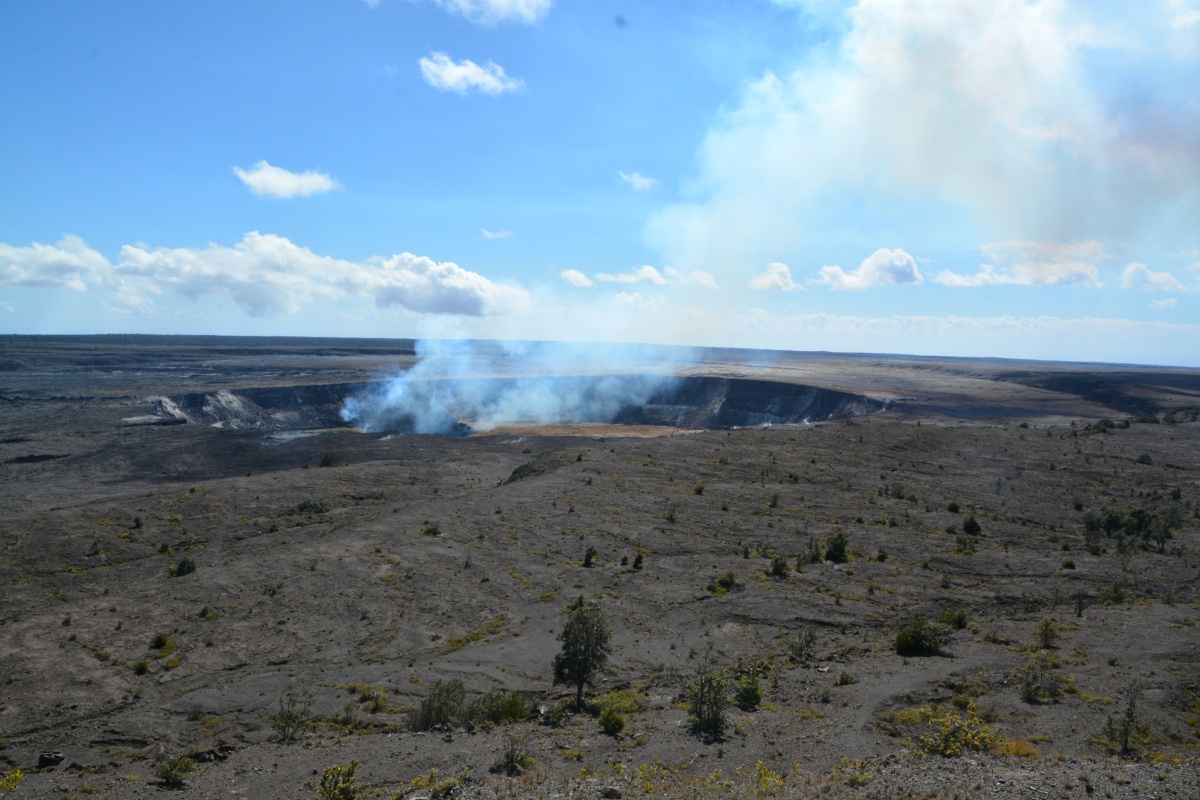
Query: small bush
x=589, y=558
x=1124, y=731
x=141, y=667
x=779, y=567
x=499, y=707
x=708, y=695
x=845, y=679
x=1039, y=682
x=953, y=508
x=802, y=645
x=293, y=716
x=954, y=735
x=723, y=584
x=442, y=706
x=514, y=758
x=1047, y=633
x=923, y=638
x=185, y=566
x=747, y=694
x=637, y=562
x=612, y=721
x=339, y=783
x=971, y=526
x=835, y=549
x=175, y=770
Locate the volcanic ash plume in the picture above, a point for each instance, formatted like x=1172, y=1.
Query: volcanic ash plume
x=457, y=386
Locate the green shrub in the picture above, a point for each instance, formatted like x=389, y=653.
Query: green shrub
x=956, y=619
x=747, y=694
x=499, y=707
x=923, y=638
x=175, y=770
x=293, y=716
x=779, y=567
x=612, y=721
x=1047, y=633
x=835, y=549
x=339, y=783
x=723, y=584
x=971, y=526
x=802, y=645
x=589, y=558
x=1039, y=682
x=514, y=758
x=637, y=562
x=708, y=695
x=845, y=679
x=442, y=706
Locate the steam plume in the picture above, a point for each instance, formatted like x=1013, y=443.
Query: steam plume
x=460, y=385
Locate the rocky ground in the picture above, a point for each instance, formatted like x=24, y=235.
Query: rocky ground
x=412, y=560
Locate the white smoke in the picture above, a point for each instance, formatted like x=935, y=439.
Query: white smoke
x=460, y=385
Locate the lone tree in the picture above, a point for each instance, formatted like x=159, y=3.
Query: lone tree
x=586, y=645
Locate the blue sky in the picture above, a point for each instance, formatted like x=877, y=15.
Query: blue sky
x=1016, y=178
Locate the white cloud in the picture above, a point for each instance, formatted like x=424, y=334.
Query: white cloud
x=776, y=277
x=265, y=179
x=489, y=12
x=1142, y=278
x=881, y=268
x=648, y=274
x=495, y=234
x=1031, y=119
x=423, y=285
x=67, y=264
x=1186, y=18
x=442, y=72
x=576, y=278
x=643, y=274
x=264, y=274
x=638, y=181
x=696, y=277
x=1170, y=302
x=1033, y=264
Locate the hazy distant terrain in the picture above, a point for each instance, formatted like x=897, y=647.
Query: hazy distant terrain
x=363, y=567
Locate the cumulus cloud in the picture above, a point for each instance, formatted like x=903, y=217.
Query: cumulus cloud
x=264, y=274
x=1033, y=264
x=67, y=264
x=1141, y=278
x=272, y=181
x=776, y=277
x=881, y=268
x=1030, y=119
x=490, y=12
x=576, y=278
x=638, y=181
x=442, y=72
x=648, y=274
x=495, y=234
